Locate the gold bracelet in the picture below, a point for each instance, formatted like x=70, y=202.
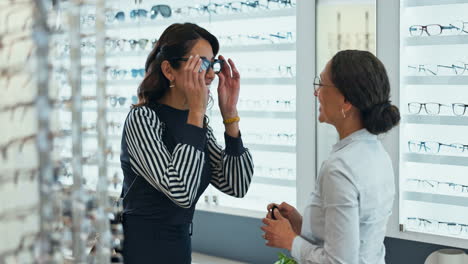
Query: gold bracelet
x=231, y=120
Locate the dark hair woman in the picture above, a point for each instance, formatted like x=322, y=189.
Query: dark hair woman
x=346, y=215
x=169, y=154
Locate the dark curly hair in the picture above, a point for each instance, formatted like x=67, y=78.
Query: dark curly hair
x=176, y=41
x=362, y=79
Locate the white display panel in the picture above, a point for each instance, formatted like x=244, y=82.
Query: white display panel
x=341, y=25
x=267, y=105
x=433, y=102
x=260, y=36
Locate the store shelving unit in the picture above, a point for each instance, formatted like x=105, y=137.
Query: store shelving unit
x=426, y=214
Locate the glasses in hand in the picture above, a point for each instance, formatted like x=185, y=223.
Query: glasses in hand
x=216, y=65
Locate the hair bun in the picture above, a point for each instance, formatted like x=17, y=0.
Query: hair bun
x=381, y=117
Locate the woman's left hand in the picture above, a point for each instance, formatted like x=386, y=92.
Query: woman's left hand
x=228, y=89
x=278, y=233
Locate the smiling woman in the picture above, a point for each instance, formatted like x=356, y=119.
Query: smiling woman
x=169, y=154
x=346, y=215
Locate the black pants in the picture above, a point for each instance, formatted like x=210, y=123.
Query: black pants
x=148, y=242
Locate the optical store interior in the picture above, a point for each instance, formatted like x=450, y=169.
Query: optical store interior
x=70, y=76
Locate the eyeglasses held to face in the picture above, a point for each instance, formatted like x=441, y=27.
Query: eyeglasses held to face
x=216, y=65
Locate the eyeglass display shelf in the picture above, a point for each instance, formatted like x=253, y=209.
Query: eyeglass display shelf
x=405, y=229
x=435, y=198
x=272, y=148
x=258, y=147
x=93, y=163
x=273, y=181
x=437, y=120
x=112, y=193
x=242, y=113
x=244, y=81
x=436, y=159
x=437, y=80
x=437, y=40
x=281, y=12
x=230, y=49
x=261, y=114
x=416, y=3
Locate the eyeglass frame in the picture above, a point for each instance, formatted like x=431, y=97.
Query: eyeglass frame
x=436, y=184
x=318, y=84
x=423, y=105
x=423, y=146
x=424, y=29
x=204, y=65
x=423, y=222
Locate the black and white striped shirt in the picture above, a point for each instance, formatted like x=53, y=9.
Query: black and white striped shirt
x=177, y=173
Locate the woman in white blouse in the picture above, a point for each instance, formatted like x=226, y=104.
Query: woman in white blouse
x=346, y=215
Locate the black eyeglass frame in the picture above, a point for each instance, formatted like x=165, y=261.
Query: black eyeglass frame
x=206, y=64
x=318, y=84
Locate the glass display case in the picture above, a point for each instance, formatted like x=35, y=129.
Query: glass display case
x=260, y=36
x=433, y=142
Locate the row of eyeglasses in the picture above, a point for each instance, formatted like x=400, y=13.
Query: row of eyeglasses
x=433, y=147
x=116, y=46
x=435, y=226
x=89, y=73
x=456, y=68
x=431, y=108
x=454, y=28
x=88, y=47
x=166, y=11
x=432, y=185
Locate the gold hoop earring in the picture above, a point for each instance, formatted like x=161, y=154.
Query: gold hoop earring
x=343, y=112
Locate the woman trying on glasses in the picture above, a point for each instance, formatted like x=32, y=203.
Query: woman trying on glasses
x=169, y=153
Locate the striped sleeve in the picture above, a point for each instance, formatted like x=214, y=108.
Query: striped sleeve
x=176, y=174
x=232, y=168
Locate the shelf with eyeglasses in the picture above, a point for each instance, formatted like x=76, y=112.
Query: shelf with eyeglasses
x=260, y=114
x=436, y=80
x=230, y=49
x=433, y=113
x=435, y=198
x=245, y=81
x=224, y=49
x=433, y=226
x=273, y=181
x=265, y=13
x=272, y=148
x=436, y=120
x=436, y=159
x=416, y=3
x=437, y=40
x=111, y=192
x=91, y=162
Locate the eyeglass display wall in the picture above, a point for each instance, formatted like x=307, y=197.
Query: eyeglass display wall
x=261, y=41
x=433, y=143
x=258, y=35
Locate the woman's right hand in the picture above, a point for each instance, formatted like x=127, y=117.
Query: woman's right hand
x=195, y=89
x=289, y=212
